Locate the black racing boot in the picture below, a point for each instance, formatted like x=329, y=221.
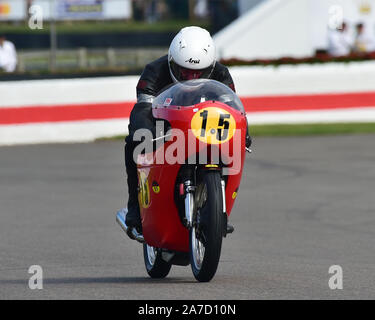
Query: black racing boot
x=230, y=228
x=133, y=217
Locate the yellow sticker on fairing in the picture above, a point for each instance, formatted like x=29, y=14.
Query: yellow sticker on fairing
x=155, y=187
x=213, y=125
x=144, y=190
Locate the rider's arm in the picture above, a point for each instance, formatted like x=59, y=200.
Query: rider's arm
x=147, y=88
x=141, y=114
x=141, y=117
x=221, y=73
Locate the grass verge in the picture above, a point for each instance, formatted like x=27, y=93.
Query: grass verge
x=275, y=130
x=312, y=129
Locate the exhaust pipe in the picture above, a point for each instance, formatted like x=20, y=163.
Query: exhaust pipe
x=132, y=233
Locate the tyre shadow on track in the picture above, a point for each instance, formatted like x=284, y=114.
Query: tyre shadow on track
x=93, y=280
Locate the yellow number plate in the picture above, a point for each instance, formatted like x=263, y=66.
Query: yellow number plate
x=213, y=125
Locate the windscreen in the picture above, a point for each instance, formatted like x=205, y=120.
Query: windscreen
x=191, y=92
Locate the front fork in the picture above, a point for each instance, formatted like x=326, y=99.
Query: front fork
x=188, y=189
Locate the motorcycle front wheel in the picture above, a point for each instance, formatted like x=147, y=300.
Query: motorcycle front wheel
x=156, y=267
x=206, y=235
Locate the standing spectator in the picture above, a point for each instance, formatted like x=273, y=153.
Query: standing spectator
x=179, y=9
x=8, y=55
x=151, y=13
x=363, y=43
x=138, y=10
x=222, y=13
x=201, y=9
x=340, y=41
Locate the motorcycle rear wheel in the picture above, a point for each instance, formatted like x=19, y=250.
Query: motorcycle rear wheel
x=156, y=267
x=205, y=240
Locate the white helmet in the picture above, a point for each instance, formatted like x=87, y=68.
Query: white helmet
x=191, y=54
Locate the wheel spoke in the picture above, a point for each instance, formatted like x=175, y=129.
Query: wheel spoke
x=198, y=250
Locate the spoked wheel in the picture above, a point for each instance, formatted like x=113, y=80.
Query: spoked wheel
x=207, y=233
x=156, y=267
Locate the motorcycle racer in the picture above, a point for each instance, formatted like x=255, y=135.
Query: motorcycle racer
x=191, y=55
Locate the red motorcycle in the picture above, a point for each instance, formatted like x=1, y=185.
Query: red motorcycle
x=189, y=181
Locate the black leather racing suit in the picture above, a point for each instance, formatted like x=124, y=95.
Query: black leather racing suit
x=154, y=78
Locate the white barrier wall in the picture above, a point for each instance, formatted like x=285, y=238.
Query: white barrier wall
x=67, y=91
x=84, y=109
x=249, y=81
x=305, y=79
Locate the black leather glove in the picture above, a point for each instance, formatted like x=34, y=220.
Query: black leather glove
x=248, y=140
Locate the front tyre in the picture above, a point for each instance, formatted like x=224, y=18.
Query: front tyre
x=156, y=267
x=207, y=233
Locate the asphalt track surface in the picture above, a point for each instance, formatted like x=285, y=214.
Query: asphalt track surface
x=305, y=204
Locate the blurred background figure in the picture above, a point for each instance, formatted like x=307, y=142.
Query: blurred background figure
x=155, y=10
x=222, y=13
x=8, y=55
x=201, y=9
x=363, y=43
x=151, y=12
x=340, y=41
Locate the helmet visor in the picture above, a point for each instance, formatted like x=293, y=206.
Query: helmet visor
x=182, y=74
